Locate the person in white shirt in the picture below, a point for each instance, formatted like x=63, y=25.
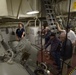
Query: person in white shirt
x=70, y=35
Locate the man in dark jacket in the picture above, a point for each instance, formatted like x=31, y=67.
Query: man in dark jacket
x=55, y=48
x=47, y=35
x=66, y=51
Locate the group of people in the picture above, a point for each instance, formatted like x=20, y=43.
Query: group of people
x=61, y=47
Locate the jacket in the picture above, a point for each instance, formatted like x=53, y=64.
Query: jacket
x=66, y=50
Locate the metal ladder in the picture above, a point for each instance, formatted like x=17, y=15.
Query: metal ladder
x=50, y=16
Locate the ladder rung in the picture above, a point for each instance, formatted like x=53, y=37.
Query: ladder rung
x=49, y=18
x=46, y=2
x=49, y=22
x=53, y=19
x=50, y=15
x=48, y=6
x=49, y=9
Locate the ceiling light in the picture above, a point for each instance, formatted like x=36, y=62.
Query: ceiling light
x=32, y=12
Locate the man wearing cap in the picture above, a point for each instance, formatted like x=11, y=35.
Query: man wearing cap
x=70, y=35
x=55, y=48
x=20, y=32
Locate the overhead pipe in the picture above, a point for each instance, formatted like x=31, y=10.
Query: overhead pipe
x=8, y=26
x=14, y=20
x=35, y=21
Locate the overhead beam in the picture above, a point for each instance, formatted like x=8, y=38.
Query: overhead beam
x=19, y=9
x=5, y=20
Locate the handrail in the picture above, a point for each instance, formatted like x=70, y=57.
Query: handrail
x=35, y=21
x=12, y=56
x=36, y=46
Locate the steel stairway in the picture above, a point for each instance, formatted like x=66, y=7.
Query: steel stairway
x=50, y=15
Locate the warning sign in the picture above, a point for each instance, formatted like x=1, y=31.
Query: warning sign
x=73, y=72
x=74, y=5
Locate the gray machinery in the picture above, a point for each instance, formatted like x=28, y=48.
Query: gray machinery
x=26, y=54
x=19, y=58
x=24, y=51
x=7, y=65
x=12, y=69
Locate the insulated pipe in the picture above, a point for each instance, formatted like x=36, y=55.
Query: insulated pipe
x=23, y=46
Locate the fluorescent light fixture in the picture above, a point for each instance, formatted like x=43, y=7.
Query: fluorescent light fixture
x=32, y=12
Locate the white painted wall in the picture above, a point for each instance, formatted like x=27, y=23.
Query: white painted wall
x=3, y=8
x=61, y=7
x=27, y=5
x=13, y=7
x=64, y=6
x=9, y=36
x=33, y=36
x=73, y=6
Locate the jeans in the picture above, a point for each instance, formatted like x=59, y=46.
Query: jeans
x=56, y=55
x=65, y=68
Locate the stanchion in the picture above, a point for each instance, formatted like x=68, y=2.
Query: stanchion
x=66, y=33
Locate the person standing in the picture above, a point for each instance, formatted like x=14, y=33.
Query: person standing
x=70, y=35
x=66, y=52
x=20, y=32
x=55, y=49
